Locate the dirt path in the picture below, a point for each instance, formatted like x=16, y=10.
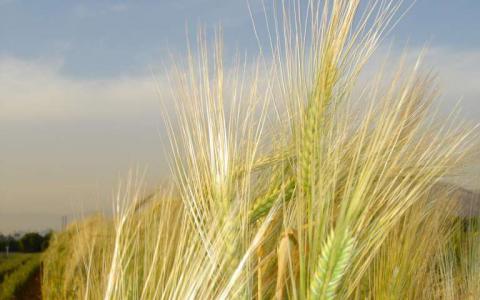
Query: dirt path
x=32, y=289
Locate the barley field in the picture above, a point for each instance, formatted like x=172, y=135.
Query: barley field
x=292, y=178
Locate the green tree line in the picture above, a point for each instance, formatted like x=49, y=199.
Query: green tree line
x=31, y=242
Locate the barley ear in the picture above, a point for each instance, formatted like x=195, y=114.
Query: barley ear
x=265, y=203
x=332, y=265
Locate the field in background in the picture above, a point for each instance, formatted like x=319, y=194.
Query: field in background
x=16, y=270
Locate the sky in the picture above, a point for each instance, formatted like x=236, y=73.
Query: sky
x=78, y=105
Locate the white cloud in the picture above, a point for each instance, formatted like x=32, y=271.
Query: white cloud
x=33, y=90
x=458, y=78
x=38, y=90
x=457, y=74
x=83, y=11
x=119, y=7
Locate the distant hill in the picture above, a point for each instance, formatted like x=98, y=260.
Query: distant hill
x=468, y=201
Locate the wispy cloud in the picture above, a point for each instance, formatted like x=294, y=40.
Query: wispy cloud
x=458, y=73
x=119, y=7
x=82, y=10
x=39, y=91
x=36, y=90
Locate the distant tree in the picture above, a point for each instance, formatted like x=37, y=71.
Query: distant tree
x=31, y=242
x=12, y=243
x=3, y=242
x=3, y=239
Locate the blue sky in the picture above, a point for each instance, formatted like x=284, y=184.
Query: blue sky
x=78, y=107
x=109, y=38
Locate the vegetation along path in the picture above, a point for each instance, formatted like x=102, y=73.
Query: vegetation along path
x=32, y=290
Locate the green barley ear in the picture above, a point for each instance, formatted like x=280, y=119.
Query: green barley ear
x=333, y=263
x=265, y=203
